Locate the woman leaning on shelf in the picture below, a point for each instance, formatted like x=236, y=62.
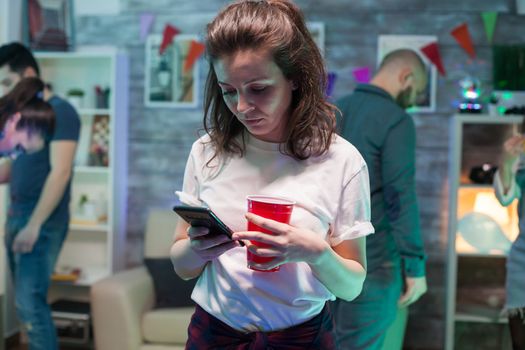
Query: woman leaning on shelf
x=509, y=184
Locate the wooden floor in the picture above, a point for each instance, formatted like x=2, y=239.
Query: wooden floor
x=13, y=343
x=25, y=347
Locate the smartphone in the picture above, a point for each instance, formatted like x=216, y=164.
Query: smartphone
x=200, y=216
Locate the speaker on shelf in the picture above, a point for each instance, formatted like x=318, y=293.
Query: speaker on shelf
x=73, y=321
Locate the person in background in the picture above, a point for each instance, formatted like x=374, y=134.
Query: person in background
x=26, y=120
x=270, y=131
x=38, y=217
x=509, y=184
x=375, y=122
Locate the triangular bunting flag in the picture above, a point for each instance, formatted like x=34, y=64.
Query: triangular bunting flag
x=194, y=52
x=432, y=52
x=361, y=74
x=330, y=83
x=489, y=21
x=146, y=21
x=462, y=36
x=167, y=37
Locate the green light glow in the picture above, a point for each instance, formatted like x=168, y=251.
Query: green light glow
x=506, y=95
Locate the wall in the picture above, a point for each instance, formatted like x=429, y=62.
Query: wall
x=3, y=30
x=3, y=21
x=160, y=139
x=10, y=14
x=10, y=20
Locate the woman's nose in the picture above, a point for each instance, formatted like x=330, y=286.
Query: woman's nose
x=243, y=105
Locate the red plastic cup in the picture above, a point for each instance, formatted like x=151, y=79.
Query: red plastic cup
x=275, y=208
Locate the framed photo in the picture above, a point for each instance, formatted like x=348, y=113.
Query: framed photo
x=388, y=43
x=167, y=84
x=99, y=143
x=48, y=25
x=93, y=145
x=317, y=31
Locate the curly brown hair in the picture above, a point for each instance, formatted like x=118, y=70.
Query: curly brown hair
x=279, y=26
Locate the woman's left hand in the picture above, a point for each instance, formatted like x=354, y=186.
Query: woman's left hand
x=287, y=244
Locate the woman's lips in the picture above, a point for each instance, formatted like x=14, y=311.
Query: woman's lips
x=252, y=121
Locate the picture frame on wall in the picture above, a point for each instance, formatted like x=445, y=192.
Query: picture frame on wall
x=387, y=43
x=317, y=31
x=48, y=25
x=167, y=83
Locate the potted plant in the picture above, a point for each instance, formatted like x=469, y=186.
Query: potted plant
x=75, y=96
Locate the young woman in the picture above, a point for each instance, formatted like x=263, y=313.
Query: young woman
x=509, y=183
x=26, y=120
x=270, y=131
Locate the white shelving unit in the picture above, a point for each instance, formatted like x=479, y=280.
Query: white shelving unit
x=480, y=230
x=95, y=246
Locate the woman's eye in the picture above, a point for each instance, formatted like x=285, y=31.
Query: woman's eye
x=258, y=89
x=228, y=92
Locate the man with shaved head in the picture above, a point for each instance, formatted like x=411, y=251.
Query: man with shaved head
x=375, y=121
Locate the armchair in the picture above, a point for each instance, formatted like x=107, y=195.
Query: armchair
x=123, y=304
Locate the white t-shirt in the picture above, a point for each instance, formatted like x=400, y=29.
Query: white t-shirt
x=332, y=197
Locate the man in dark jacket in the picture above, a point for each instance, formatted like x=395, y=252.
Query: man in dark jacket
x=374, y=120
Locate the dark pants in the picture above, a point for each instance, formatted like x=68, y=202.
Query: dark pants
x=517, y=330
x=362, y=323
x=208, y=332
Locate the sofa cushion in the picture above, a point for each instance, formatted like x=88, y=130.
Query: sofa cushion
x=170, y=289
x=167, y=326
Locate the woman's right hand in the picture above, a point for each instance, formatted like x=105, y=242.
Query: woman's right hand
x=206, y=246
x=512, y=148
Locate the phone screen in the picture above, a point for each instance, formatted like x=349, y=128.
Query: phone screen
x=200, y=216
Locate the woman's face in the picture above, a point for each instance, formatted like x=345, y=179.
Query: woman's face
x=26, y=140
x=256, y=92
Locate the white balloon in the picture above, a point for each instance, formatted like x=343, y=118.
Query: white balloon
x=483, y=233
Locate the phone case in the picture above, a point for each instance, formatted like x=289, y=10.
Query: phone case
x=200, y=216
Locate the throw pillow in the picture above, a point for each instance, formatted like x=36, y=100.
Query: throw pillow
x=170, y=290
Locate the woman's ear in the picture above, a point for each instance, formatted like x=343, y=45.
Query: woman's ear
x=294, y=85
